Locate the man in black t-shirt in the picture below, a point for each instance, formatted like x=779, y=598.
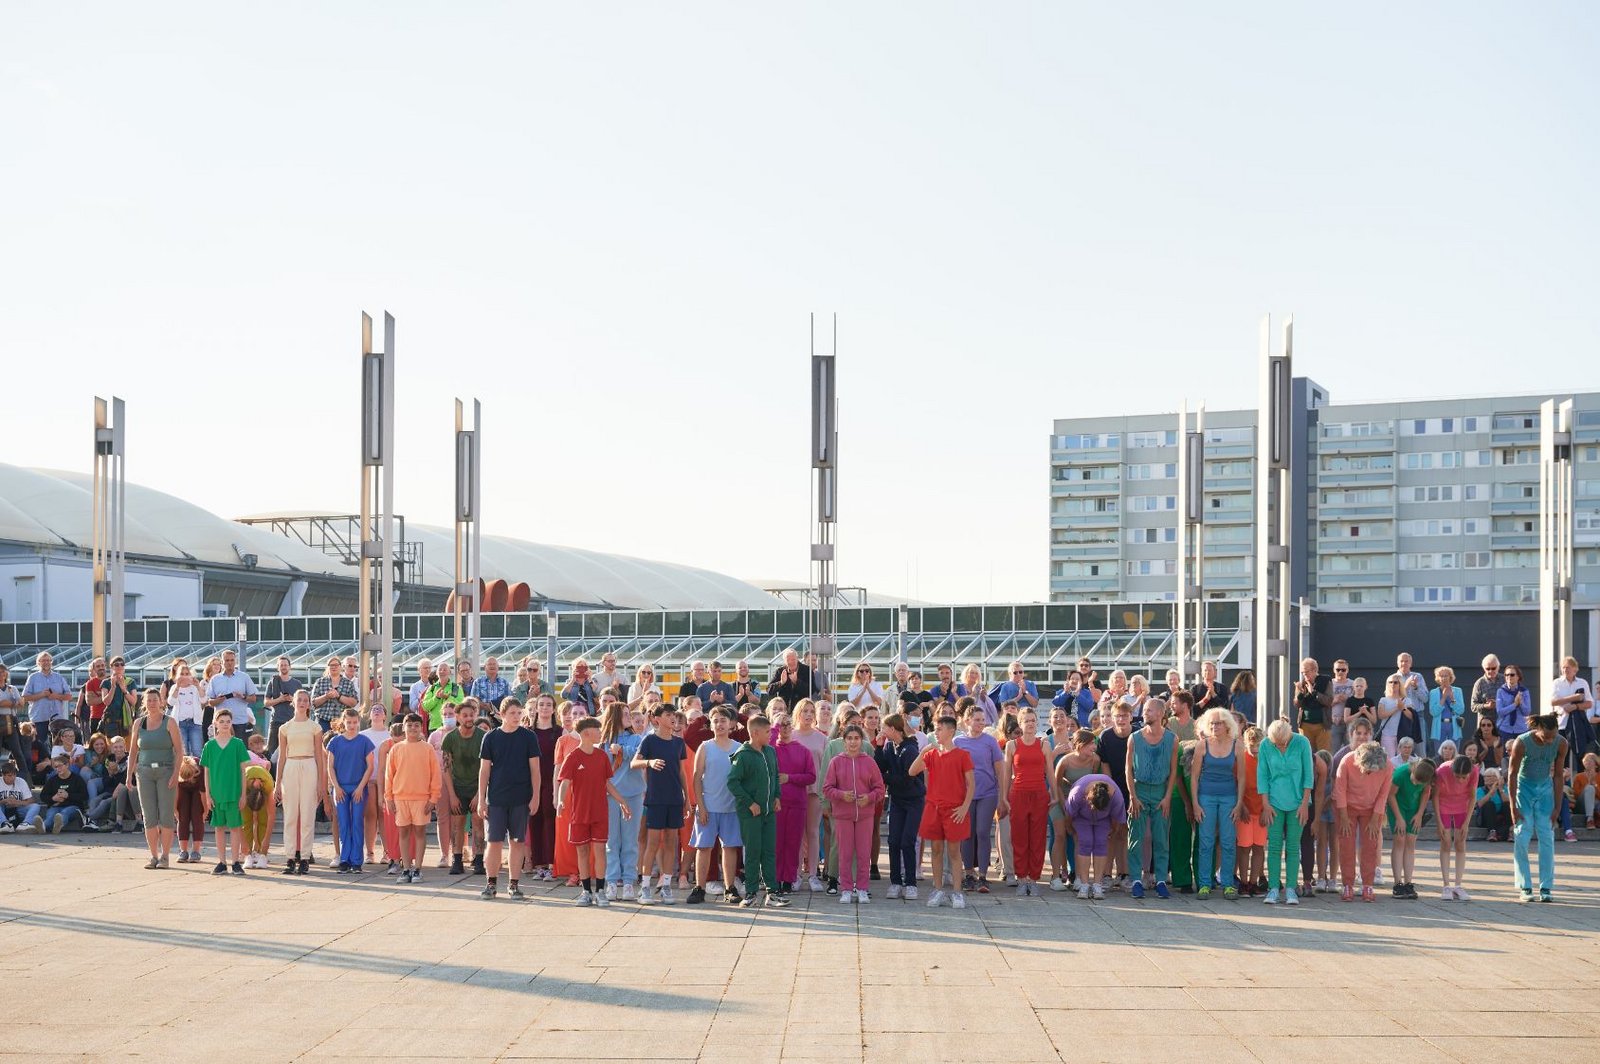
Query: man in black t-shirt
x=508, y=790
x=1312, y=700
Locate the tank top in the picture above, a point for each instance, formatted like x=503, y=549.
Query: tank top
x=1074, y=774
x=716, y=797
x=1027, y=767
x=1151, y=761
x=1538, y=761
x=155, y=745
x=1216, y=774
x=299, y=738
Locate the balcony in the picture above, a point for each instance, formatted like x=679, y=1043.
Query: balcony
x=1514, y=506
x=1101, y=519
x=1345, y=478
x=1337, y=511
x=1353, y=545
x=1230, y=517
x=1072, y=552
x=1228, y=550
x=1513, y=539
x=1375, y=444
x=1076, y=488
x=1355, y=579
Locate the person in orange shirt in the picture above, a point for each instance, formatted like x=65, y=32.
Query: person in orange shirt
x=411, y=782
x=1585, y=786
x=566, y=853
x=1252, y=826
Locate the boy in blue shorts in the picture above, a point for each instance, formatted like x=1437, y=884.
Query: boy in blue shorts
x=662, y=755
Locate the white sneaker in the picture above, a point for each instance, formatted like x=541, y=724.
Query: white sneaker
x=29, y=828
x=1447, y=894
x=1290, y=897
x=611, y=892
x=583, y=898
x=646, y=898
x=600, y=900
x=715, y=888
x=1122, y=883
x=1462, y=895
x=1056, y=884
x=1099, y=892
x=666, y=895
x=935, y=898
x=958, y=900
x=1271, y=898
x=862, y=897
x=895, y=892
x=847, y=897
x=815, y=884
x=911, y=894
x=6, y=828
x=1377, y=878
x=627, y=891
x=1083, y=891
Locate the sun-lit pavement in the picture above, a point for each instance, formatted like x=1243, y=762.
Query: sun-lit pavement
x=113, y=961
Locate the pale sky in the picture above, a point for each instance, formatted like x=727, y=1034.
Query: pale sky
x=609, y=222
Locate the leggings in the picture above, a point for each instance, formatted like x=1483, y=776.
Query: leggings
x=1030, y=816
x=352, y=813
x=258, y=826
x=975, y=847
x=1283, y=845
x=1368, y=842
x=855, y=849
x=297, y=782
x=191, y=817
x=904, y=817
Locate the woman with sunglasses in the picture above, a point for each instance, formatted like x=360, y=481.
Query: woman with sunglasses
x=865, y=691
x=1513, y=705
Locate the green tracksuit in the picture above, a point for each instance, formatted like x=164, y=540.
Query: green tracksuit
x=753, y=780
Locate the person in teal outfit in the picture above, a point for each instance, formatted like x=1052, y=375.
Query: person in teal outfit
x=1538, y=756
x=1152, y=778
x=1285, y=777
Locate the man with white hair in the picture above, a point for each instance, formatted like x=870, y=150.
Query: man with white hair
x=792, y=680
x=47, y=694
x=1483, y=692
x=1414, y=692
x=420, y=688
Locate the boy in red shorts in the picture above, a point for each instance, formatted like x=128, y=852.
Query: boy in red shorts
x=944, y=814
x=585, y=780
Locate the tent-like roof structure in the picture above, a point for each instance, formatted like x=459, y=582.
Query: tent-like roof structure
x=55, y=509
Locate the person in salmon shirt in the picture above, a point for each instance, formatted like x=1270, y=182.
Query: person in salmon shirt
x=1361, y=794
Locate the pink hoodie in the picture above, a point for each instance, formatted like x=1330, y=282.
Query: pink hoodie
x=858, y=774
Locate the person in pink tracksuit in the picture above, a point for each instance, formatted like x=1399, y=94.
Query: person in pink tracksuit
x=853, y=786
x=797, y=771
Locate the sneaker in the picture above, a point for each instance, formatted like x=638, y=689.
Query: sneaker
x=238, y=869
x=862, y=897
x=1367, y=894
x=873, y=873
x=1377, y=878
x=31, y=827
x=1290, y=897
x=846, y=897
x=1411, y=892
x=1272, y=897
x=1056, y=884
x=1398, y=890
x=1163, y=892
x=896, y=892
x=457, y=868
x=289, y=868
x=935, y=898
x=1526, y=896
x=1544, y=895
x=627, y=891
x=393, y=869
x=344, y=868
x=958, y=900
x=833, y=887
x=1231, y=893
x=1137, y=890
x=1494, y=836
x=166, y=860
x=477, y=865
x=1462, y=895
x=1022, y=889
x=1447, y=894
x=1348, y=893
x=969, y=881
x=600, y=899
x=488, y=892
x=515, y=893
x=583, y=898
x=416, y=873
x=911, y=894
x=697, y=896
x=646, y=896
x=1204, y=893
x=220, y=870
x=815, y=884
x=1099, y=892
x=666, y=895
x=6, y=828
x=714, y=888
x=1083, y=891
x=1570, y=836
x=774, y=901
x=57, y=825
x=732, y=896
x=983, y=885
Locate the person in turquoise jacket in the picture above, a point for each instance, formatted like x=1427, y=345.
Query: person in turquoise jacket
x=753, y=780
x=1285, y=778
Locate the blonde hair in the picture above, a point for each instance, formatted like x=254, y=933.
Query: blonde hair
x=1445, y=675
x=1279, y=731
x=1209, y=718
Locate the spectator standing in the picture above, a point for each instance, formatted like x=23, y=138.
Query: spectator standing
x=92, y=698
x=331, y=695
x=1210, y=693
x=792, y=680
x=186, y=701
x=532, y=687
x=864, y=691
x=1312, y=700
x=581, y=691
x=420, y=688
x=746, y=691
x=491, y=688
x=607, y=678
x=1242, y=696
x=691, y=685
x=119, y=701
x=444, y=689
x=1573, y=702
x=1017, y=688
x=48, y=694
x=716, y=691
x=10, y=726
x=1486, y=687
x=1446, y=709
x=1513, y=705
x=280, y=701
x=1414, y=692
x=820, y=683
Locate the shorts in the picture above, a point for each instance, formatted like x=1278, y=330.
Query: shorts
x=939, y=826
x=409, y=813
x=1250, y=832
x=507, y=820
x=723, y=827
x=466, y=794
x=663, y=817
x=588, y=832
x=1452, y=821
x=226, y=815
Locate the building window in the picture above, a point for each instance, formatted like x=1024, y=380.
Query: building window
x=1168, y=438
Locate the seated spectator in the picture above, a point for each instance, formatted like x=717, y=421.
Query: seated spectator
x=64, y=796
x=1585, y=786
x=18, y=811
x=1494, y=815
x=38, y=767
x=66, y=744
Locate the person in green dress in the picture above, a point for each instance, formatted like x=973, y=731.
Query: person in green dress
x=222, y=765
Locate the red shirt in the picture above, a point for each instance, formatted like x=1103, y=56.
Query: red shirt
x=589, y=773
x=947, y=776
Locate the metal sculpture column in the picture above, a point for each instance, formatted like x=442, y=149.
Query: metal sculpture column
x=1189, y=637
x=1555, y=541
x=1274, y=677
x=825, y=477
x=109, y=507
x=376, y=594
x=469, y=544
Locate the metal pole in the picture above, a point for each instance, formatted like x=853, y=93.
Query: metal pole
x=1555, y=540
x=118, y=524
x=1180, y=614
x=477, y=534
x=102, y=442
x=1272, y=504
x=393, y=550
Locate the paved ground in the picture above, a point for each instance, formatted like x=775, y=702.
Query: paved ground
x=331, y=968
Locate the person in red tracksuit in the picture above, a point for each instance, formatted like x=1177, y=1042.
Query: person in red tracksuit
x=1029, y=788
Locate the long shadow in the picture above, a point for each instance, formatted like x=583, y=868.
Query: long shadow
x=544, y=984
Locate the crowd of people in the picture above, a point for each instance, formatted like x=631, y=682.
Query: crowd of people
x=729, y=787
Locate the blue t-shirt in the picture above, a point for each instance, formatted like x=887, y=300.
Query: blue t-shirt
x=508, y=754
x=349, y=758
x=666, y=786
x=629, y=782
x=984, y=751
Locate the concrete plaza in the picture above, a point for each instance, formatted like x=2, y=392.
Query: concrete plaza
x=116, y=962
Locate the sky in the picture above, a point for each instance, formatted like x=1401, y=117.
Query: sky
x=611, y=223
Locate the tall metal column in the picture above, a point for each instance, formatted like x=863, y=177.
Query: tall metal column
x=469, y=543
x=1274, y=675
x=1555, y=541
x=825, y=477
x=1189, y=640
x=109, y=525
x=376, y=592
